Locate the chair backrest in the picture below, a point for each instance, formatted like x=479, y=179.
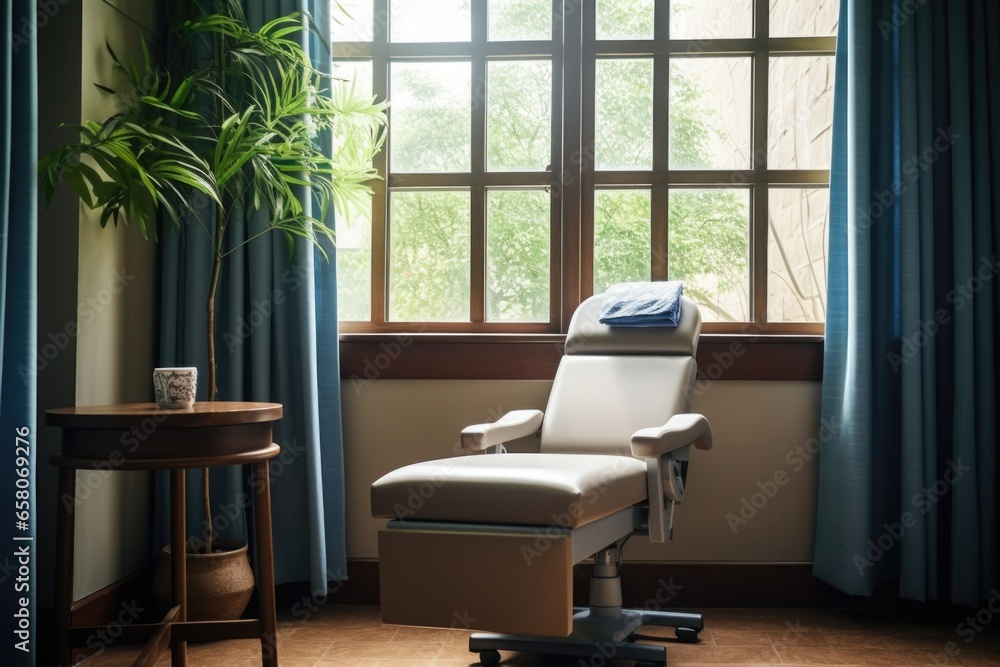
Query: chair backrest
x=613, y=381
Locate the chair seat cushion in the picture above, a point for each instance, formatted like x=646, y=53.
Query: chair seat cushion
x=568, y=490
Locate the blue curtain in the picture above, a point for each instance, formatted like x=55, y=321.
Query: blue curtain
x=276, y=340
x=18, y=318
x=907, y=489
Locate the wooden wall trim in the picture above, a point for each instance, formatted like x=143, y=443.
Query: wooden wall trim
x=644, y=584
x=127, y=601
x=106, y=604
x=690, y=585
x=367, y=357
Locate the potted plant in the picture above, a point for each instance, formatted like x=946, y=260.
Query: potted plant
x=232, y=117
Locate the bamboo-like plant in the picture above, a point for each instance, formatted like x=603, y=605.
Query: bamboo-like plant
x=235, y=117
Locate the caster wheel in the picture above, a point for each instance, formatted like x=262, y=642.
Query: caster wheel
x=687, y=635
x=489, y=658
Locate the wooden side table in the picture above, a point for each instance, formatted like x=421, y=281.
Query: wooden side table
x=141, y=436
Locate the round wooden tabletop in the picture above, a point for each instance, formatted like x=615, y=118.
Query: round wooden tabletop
x=202, y=413
x=135, y=436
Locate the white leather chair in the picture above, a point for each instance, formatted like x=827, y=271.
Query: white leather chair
x=488, y=542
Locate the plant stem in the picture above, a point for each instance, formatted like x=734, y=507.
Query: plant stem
x=213, y=286
x=207, y=506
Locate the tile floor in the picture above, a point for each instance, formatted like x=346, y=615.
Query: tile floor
x=355, y=636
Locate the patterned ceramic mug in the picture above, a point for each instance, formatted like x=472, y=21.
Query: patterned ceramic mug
x=175, y=387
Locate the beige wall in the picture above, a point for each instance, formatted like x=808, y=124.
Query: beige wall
x=390, y=423
x=117, y=281
x=99, y=284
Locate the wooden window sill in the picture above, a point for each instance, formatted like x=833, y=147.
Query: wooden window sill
x=434, y=356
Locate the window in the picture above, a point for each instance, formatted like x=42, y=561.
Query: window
x=541, y=150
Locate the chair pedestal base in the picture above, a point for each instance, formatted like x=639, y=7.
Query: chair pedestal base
x=598, y=631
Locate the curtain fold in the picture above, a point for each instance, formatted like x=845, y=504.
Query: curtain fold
x=276, y=340
x=907, y=484
x=18, y=306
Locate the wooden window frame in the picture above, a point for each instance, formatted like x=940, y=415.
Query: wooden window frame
x=477, y=349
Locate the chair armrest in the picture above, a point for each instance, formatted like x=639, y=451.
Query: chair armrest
x=666, y=450
x=679, y=431
x=515, y=424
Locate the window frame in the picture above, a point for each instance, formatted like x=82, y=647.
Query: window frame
x=760, y=48
x=479, y=51
x=573, y=179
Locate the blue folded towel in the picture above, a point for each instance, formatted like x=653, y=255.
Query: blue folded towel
x=643, y=304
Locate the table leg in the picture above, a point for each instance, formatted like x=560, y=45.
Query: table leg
x=178, y=560
x=265, y=565
x=65, y=513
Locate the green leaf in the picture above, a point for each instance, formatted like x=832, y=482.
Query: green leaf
x=231, y=116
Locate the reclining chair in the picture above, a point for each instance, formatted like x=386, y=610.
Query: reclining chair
x=489, y=542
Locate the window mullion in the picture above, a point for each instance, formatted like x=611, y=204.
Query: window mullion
x=478, y=192
x=582, y=161
x=557, y=207
x=659, y=204
x=380, y=198
x=759, y=193
x=578, y=157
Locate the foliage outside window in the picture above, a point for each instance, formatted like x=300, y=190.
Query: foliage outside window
x=541, y=150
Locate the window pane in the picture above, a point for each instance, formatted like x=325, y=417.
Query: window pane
x=623, y=122
x=794, y=18
x=800, y=113
x=709, y=249
x=710, y=111
x=517, y=256
x=796, y=254
x=357, y=71
x=625, y=19
x=353, y=77
x=430, y=21
x=621, y=237
x=354, y=265
x=520, y=19
x=711, y=19
x=430, y=117
x=519, y=115
x=429, y=257
x=354, y=237
x=354, y=23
